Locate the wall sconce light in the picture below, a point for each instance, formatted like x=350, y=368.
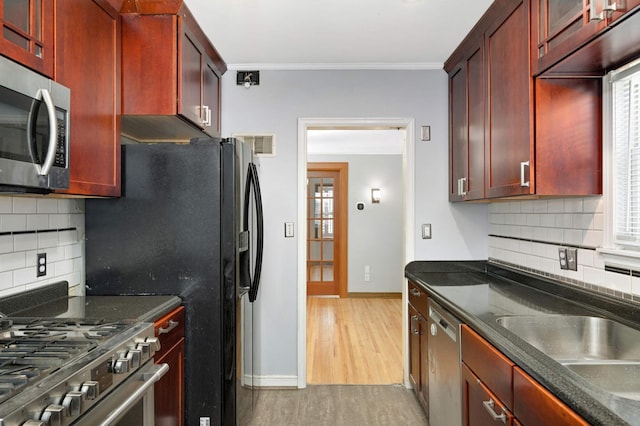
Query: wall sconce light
x=375, y=195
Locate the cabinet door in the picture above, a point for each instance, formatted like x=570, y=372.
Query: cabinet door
x=169, y=391
x=190, y=105
x=27, y=33
x=535, y=405
x=88, y=62
x=459, y=143
x=414, y=349
x=424, y=363
x=467, y=104
x=211, y=100
x=480, y=407
x=560, y=26
x=508, y=137
x=418, y=356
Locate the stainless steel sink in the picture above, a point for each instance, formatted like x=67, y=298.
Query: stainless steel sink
x=576, y=338
x=618, y=378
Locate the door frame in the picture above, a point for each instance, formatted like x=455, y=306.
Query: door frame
x=408, y=165
x=341, y=239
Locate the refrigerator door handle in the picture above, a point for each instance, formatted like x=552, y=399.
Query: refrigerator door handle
x=252, y=181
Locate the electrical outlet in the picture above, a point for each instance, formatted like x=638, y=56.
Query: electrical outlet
x=568, y=258
x=205, y=421
x=41, y=265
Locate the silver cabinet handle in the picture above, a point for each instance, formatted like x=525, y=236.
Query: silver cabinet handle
x=593, y=13
x=523, y=164
x=609, y=6
x=414, y=329
x=488, y=405
x=207, y=116
x=415, y=292
x=462, y=186
x=53, y=134
x=172, y=324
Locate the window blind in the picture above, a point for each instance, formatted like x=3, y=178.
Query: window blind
x=626, y=150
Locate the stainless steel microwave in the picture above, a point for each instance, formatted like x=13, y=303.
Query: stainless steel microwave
x=34, y=131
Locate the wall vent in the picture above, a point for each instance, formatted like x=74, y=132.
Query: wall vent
x=263, y=144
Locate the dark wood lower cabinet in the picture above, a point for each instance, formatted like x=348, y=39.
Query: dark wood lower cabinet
x=493, y=387
x=169, y=391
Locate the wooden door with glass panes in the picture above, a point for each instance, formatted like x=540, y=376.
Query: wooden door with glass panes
x=326, y=229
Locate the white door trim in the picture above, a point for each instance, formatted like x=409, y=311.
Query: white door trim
x=408, y=165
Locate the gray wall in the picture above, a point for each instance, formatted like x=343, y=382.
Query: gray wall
x=460, y=231
x=375, y=233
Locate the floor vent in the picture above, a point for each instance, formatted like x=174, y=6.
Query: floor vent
x=263, y=145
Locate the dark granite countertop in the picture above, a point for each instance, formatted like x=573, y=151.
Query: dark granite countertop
x=478, y=292
x=52, y=301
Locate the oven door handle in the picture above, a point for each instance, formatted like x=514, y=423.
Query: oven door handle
x=150, y=378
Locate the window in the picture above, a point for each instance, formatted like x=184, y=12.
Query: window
x=624, y=131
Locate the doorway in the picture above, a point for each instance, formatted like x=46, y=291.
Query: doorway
x=407, y=125
x=327, y=195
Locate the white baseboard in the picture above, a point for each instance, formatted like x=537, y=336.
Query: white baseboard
x=273, y=381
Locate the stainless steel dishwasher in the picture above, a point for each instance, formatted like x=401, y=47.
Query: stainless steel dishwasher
x=445, y=397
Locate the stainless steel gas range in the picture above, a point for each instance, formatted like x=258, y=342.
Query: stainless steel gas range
x=81, y=372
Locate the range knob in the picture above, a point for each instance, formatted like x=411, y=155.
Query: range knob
x=145, y=349
x=135, y=357
x=90, y=389
x=154, y=342
x=72, y=402
x=120, y=366
x=52, y=415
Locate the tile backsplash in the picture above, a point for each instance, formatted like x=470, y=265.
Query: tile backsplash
x=32, y=225
x=527, y=234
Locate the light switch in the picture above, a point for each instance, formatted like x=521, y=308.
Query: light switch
x=426, y=231
x=288, y=229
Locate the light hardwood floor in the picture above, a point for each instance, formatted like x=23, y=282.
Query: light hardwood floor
x=354, y=340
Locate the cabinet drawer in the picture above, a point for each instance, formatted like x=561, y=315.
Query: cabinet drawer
x=169, y=330
x=480, y=405
x=493, y=368
x=535, y=405
x=419, y=299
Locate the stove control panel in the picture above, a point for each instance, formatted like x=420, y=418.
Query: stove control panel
x=66, y=394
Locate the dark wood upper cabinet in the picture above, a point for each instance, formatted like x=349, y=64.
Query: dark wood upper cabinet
x=171, y=75
x=467, y=111
x=509, y=102
x=528, y=136
x=27, y=34
x=583, y=38
x=88, y=62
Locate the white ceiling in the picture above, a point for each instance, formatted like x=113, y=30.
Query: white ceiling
x=336, y=34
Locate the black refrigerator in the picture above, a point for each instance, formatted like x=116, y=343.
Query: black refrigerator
x=189, y=223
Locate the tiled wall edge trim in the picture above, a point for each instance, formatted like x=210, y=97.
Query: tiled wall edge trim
x=565, y=280
x=37, y=231
x=544, y=242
